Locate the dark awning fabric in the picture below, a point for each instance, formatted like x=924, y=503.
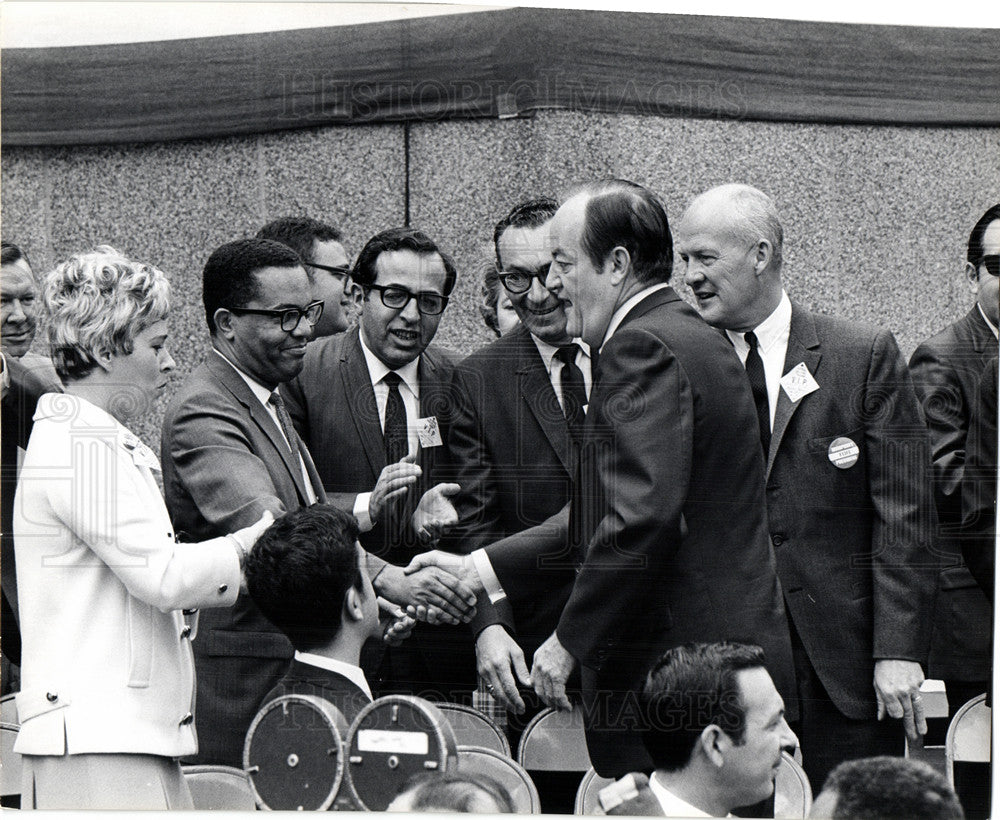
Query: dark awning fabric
x=501, y=63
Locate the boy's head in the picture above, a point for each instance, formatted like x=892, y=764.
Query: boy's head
x=306, y=573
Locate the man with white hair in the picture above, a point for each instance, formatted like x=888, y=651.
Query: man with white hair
x=849, y=500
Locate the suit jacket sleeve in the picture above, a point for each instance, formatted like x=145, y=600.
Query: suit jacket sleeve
x=905, y=565
x=979, y=485
x=940, y=393
x=643, y=425
x=216, y=463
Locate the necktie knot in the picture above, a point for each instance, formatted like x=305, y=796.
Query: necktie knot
x=751, y=339
x=567, y=353
x=392, y=379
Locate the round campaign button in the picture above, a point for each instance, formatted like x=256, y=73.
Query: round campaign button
x=843, y=453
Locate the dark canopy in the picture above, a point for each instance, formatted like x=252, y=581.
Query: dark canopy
x=501, y=63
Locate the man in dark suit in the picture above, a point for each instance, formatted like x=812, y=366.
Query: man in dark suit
x=370, y=404
x=509, y=435
x=229, y=452
x=320, y=247
x=946, y=370
x=23, y=381
x=849, y=499
x=665, y=538
x=308, y=576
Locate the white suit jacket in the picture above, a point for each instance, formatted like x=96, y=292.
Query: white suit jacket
x=106, y=663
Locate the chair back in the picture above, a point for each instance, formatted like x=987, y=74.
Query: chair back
x=792, y=793
x=219, y=788
x=515, y=780
x=473, y=728
x=10, y=762
x=8, y=710
x=554, y=741
x=968, y=738
x=587, y=801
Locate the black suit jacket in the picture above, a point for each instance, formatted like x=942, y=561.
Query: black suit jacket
x=16, y=417
x=667, y=517
x=946, y=371
x=224, y=462
x=509, y=450
x=979, y=484
x=855, y=546
x=332, y=405
x=306, y=679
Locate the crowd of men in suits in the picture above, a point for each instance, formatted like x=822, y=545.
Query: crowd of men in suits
x=621, y=474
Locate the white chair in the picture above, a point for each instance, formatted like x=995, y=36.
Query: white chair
x=587, y=801
x=219, y=788
x=554, y=741
x=968, y=738
x=473, y=728
x=792, y=793
x=10, y=763
x=514, y=779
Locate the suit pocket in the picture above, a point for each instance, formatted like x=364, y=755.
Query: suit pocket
x=848, y=456
x=248, y=644
x=957, y=578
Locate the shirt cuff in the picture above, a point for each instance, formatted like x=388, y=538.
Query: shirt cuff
x=361, y=511
x=491, y=583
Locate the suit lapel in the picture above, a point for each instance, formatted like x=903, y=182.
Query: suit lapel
x=536, y=390
x=983, y=339
x=803, y=346
x=234, y=382
x=361, y=402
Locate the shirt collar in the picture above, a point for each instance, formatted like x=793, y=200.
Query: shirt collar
x=771, y=331
x=261, y=392
x=672, y=805
x=377, y=368
x=548, y=351
x=5, y=376
x=353, y=673
x=989, y=324
x=619, y=315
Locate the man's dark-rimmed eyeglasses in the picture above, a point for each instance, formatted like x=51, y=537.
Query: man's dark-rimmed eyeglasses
x=519, y=281
x=397, y=298
x=290, y=317
x=336, y=270
x=992, y=263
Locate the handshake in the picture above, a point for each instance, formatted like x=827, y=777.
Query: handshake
x=437, y=587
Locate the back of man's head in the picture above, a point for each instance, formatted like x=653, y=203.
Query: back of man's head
x=622, y=213
x=365, y=270
x=531, y=213
x=886, y=788
x=461, y=792
x=299, y=233
x=229, y=281
x=300, y=570
x=690, y=688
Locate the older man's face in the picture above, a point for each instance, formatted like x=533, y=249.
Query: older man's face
x=586, y=290
x=985, y=285
x=719, y=266
x=526, y=251
x=18, y=306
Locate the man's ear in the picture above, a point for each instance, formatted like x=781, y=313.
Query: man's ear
x=972, y=277
x=353, y=608
x=355, y=295
x=104, y=359
x=618, y=264
x=714, y=744
x=224, y=323
x=762, y=256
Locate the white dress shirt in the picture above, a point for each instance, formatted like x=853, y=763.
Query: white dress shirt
x=353, y=673
x=263, y=395
x=409, y=390
x=554, y=366
x=989, y=324
x=772, y=344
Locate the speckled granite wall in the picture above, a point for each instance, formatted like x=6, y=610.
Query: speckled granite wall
x=876, y=219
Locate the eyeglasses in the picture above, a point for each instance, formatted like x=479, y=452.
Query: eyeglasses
x=290, y=317
x=992, y=263
x=519, y=281
x=338, y=270
x=428, y=302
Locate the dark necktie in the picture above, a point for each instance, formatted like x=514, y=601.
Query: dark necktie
x=285, y=421
x=758, y=385
x=574, y=393
x=394, y=431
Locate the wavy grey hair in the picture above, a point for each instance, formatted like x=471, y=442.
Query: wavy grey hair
x=97, y=302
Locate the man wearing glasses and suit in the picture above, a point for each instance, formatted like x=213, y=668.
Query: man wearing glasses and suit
x=371, y=405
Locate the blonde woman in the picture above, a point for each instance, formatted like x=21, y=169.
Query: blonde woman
x=107, y=687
